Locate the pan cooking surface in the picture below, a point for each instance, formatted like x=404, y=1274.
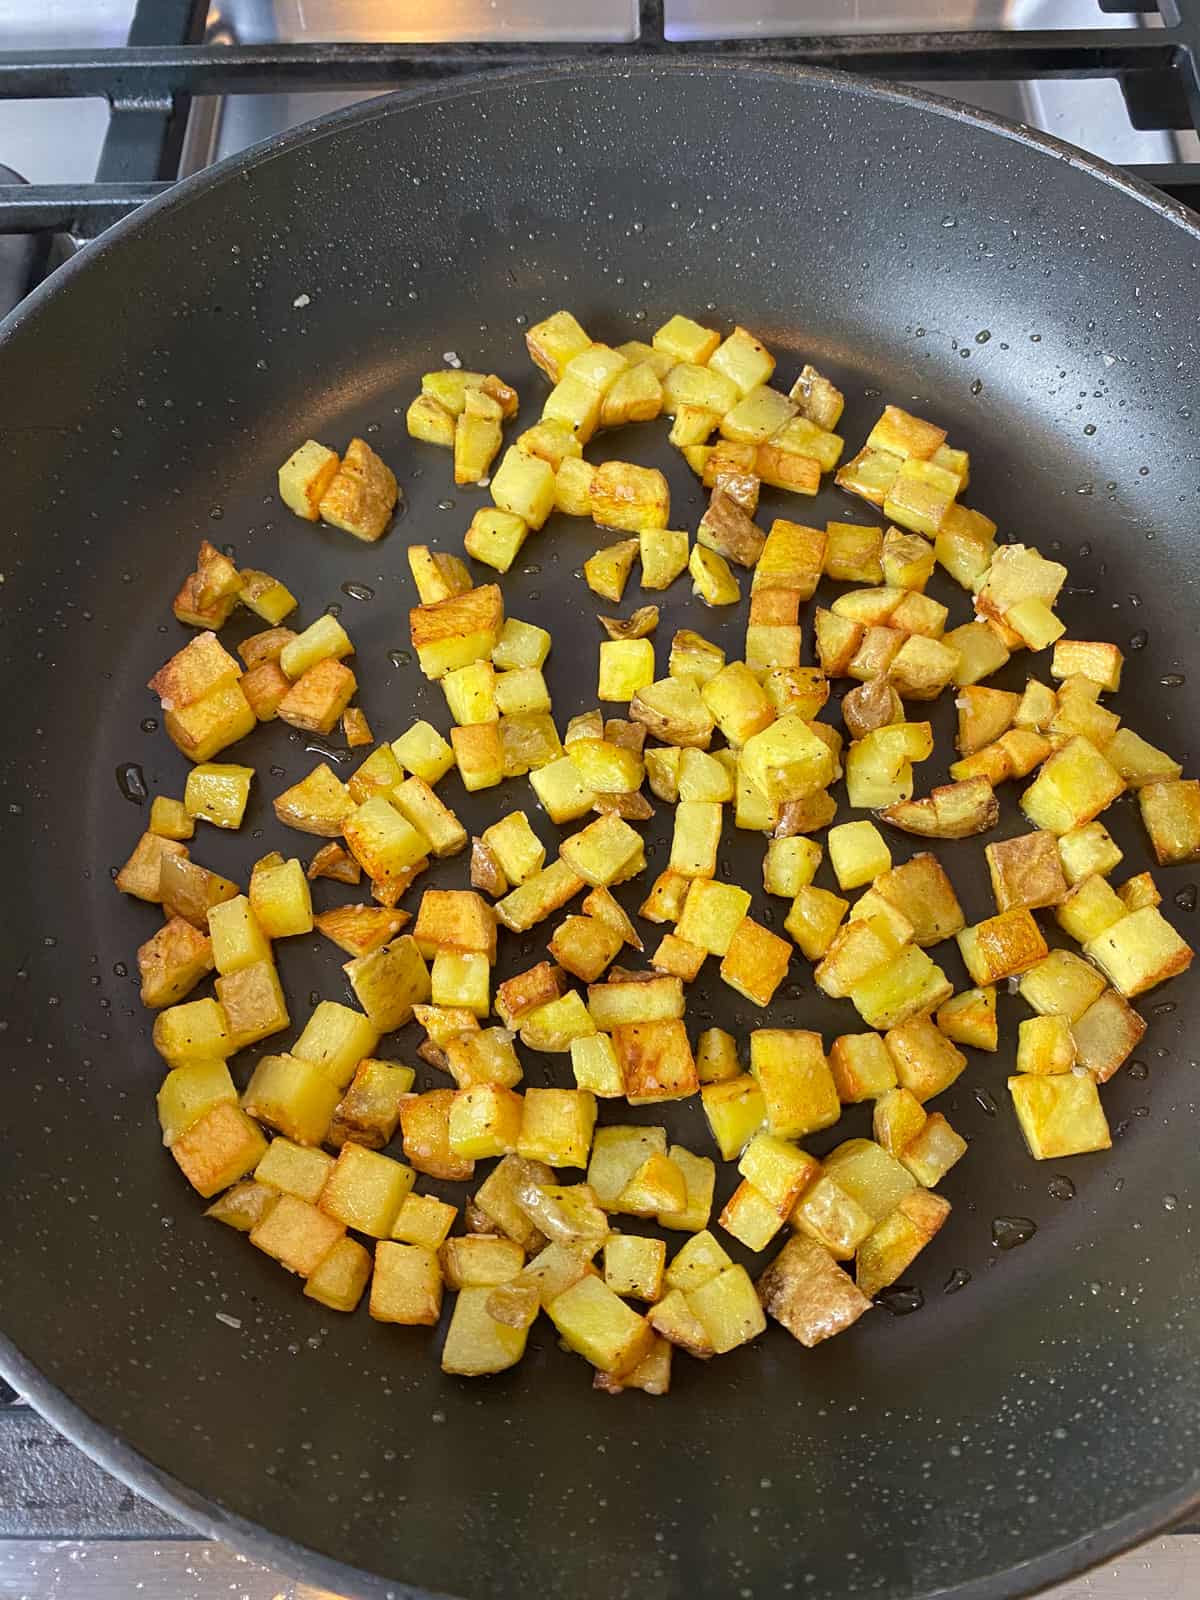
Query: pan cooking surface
x=1040, y=1407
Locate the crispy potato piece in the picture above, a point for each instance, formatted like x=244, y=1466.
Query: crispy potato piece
x=951, y=811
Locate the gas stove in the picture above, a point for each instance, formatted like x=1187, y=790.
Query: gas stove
x=162, y=88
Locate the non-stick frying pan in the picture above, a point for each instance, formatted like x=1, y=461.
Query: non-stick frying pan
x=1037, y=304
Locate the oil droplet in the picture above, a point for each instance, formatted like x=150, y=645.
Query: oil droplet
x=400, y=658
x=958, y=1279
x=120, y=970
x=1138, y=1070
x=1139, y=640
x=131, y=781
x=1185, y=898
x=314, y=997
x=278, y=772
x=977, y=386
x=149, y=724
x=986, y=1102
x=900, y=1300
x=1170, y=1201
x=1060, y=1188
x=216, y=513
x=1089, y=428
x=318, y=747
x=1163, y=1009
x=531, y=572
x=333, y=609
x=1009, y=1232
x=358, y=591
x=1172, y=680
x=983, y=336
x=445, y=505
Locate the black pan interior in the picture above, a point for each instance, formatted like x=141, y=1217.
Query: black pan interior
x=1045, y=312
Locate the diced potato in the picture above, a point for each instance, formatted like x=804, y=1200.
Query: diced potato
x=172, y=962
x=218, y=1148
x=970, y=1018
x=862, y=1067
x=1060, y=1115
x=237, y=939
x=695, y=385
x=728, y=1309
x=369, y=1111
x=320, y=803
x=656, y=1060
x=556, y=1126
x=1171, y=816
x=1139, y=952
x=190, y=1092
x=685, y=340
x=476, y=1343
x=1001, y=947
x=779, y=1173
x=711, y=914
x=598, y=1325
x=756, y=962
x=388, y=982
x=1045, y=1044
x=424, y=1220
x=297, y=1235
x=1139, y=891
x=699, y=1176
x=926, y=1061
x=1026, y=871
x=791, y=1070
x=244, y=1206
x=814, y=919
x=634, y=396
x=555, y=342
x=905, y=987
x=425, y=1131
x=1106, y=1034
x=626, y=665
x=360, y=930
x=305, y=476
x=735, y=1109
x=806, y=1291
x=892, y=1247
x=1087, y=850
x=407, y=1284
x=335, y=1039
x=633, y=1267
x=195, y=1031
x=340, y=1277
x=1090, y=907
x=365, y=1190
x=712, y=579
x=629, y=497
x=607, y=571
x=657, y=1185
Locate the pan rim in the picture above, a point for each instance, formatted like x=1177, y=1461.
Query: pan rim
x=69, y=1417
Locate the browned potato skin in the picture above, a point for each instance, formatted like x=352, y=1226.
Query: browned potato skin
x=806, y=1290
x=952, y=811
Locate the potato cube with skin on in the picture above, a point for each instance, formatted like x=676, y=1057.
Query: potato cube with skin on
x=1001, y=947
x=296, y=1234
x=253, y=1002
x=1139, y=952
x=361, y=495
x=970, y=1018
x=369, y=1112
x=1059, y=1115
x=407, y=1285
x=320, y=803
x=806, y=1291
x=425, y=1132
x=1026, y=871
x=318, y=697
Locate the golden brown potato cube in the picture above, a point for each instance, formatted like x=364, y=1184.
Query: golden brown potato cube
x=188, y=1093
x=480, y=1262
x=1026, y=871
x=1087, y=850
x=685, y=340
x=219, y=1148
x=677, y=956
x=635, y=396
x=556, y=1126
x=189, y=890
x=656, y=1186
x=388, y=982
x=970, y=1018
x=320, y=803
x=1106, y=1034
x=407, y=1284
x=750, y=1217
x=862, y=1067
x=1138, y=891
x=1001, y=947
x=629, y=497
x=1059, y=1115
x=585, y=947
x=527, y=991
x=1074, y=785
x=539, y=897
x=863, y=946
x=756, y=962
x=806, y=1291
x=656, y=1061
x=896, y=1242
x=870, y=1175
x=362, y=494
x=814, y=918
x=1140, y=951
x=340, y=1277
x=359, y=930
x=921, y=889
x=205, y=727
x=305, y=476
x=1045, y=1044
x=907, y=986
x=832, y=1217
x=265, y=688
x=896, y=1121
x=293, y=1096
x=425, y=1220
x=629, y=997
x=318, y=697
x=455, y=920
x=926, y=1061
x=425, y=1131
x=172, y=963
x=983, y=716
x=1100, y=662
x=1171, y=817
x=369, y=1111
x=790, y=1068
x=482, y=1055
x=296, y=1234
x=554, y=342
x=456, y=631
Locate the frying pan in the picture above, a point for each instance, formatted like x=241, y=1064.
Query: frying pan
x=1035, y=302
